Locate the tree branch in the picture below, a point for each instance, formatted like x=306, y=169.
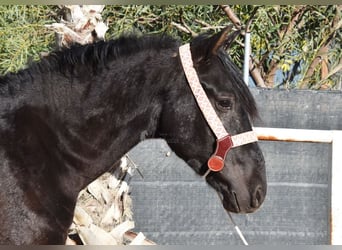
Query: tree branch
x=193, y=34
x=231, y=15
x=249, y=22
x=296, y=16
x=255, y=74
x=254, y=71
x=180, y=27
x=322, y=51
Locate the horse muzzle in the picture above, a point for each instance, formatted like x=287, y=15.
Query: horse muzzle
x=243, y=201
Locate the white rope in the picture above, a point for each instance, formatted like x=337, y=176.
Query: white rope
x=206, y=174
x=237, y=229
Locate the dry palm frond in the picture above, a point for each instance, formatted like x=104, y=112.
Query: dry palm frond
x=80, y=24
x=103, y=213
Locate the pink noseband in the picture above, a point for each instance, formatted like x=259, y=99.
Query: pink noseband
x=224, y=141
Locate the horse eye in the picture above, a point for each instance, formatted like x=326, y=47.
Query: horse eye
x=225, y=104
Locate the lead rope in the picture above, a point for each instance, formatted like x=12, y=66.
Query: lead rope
x=237, y=229
x=206, y=174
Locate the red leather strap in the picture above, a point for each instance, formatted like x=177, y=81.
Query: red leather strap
x=216, y=161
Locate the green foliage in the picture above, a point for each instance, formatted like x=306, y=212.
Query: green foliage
x=284, y=36
x=180, y=21
x=23, y=35
x=162, y=19
x=279, y=45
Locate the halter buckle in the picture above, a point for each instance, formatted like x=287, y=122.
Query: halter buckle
x=216, y=161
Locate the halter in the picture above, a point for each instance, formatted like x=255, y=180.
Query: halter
x=224, y=141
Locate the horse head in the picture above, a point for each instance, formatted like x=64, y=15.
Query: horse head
x=241, y=183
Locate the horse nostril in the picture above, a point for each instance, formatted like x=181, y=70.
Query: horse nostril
x=237, y=206
x=257, y=197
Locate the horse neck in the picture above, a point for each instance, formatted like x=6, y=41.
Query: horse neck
x=97, y=118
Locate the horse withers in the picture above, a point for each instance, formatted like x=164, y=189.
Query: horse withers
x=66, y=119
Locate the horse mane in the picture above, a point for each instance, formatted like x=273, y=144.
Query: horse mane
x=93, y=55
x=99, y=53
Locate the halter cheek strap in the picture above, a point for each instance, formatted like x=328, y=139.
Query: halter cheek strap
x=224, y=141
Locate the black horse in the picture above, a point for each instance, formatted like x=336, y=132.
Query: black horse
x=65, y=121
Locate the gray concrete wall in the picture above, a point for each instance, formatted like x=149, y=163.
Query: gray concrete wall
x=172, y=205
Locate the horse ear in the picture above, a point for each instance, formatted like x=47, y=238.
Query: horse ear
x=211, y=45
x=223, y=39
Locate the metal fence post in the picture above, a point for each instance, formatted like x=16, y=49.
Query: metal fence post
x=336, y=189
